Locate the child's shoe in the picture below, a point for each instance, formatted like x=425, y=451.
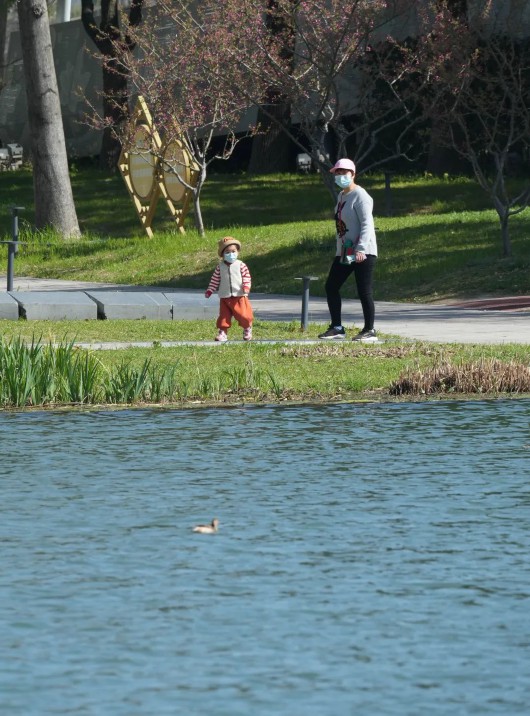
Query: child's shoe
x=247, y=334
x=221, y=337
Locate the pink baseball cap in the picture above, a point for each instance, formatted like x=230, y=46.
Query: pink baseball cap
x=343, y=164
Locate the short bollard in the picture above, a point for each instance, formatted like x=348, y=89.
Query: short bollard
x=12, y=246
x=305, y=298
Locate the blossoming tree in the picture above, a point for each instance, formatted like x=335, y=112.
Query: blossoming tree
x=314, y=56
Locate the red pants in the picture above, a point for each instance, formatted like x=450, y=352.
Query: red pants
x=237, y=306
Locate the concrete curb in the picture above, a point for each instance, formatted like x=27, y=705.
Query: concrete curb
x=488, y=321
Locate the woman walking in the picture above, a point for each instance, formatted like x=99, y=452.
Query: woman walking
x=356, y=253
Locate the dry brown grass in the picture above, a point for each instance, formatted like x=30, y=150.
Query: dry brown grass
x=487, y=375
x=327, y=350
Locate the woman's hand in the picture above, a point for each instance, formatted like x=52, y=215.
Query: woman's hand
x=359, y=256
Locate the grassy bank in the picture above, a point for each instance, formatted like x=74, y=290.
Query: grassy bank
x=59, y=374
x=442, y=241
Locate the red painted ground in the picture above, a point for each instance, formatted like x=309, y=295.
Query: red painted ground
x=510, y=303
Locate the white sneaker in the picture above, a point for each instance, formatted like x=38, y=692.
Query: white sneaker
x=221, y=337
x=247, y=334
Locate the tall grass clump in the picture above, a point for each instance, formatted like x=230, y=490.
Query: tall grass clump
x=487, y=375
x=37, y=374
x=126, y=383
x=34, y=373
x=248, y=379
x=240, y=381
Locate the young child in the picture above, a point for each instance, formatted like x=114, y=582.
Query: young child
x=232, y=279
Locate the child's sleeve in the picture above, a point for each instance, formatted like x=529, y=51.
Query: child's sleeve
x=245, y=275
x=214, y=281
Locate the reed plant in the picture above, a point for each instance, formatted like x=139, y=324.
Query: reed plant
x=40, y=374
x=483, y=376
x=36, y=373
x=147, y=383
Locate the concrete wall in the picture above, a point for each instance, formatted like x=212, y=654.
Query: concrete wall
x=78, y=77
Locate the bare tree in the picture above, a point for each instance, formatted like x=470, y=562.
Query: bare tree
x=480, y=97
x=115, y=47
x=54, y=203
x=302, y=64
x=334, y=95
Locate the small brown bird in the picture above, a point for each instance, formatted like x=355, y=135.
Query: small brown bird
x=207, y=529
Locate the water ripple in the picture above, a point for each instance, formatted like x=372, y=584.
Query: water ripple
x=371, y=559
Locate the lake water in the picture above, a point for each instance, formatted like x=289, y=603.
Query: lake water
x=371, y=559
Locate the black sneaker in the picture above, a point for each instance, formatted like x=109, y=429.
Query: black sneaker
x=332, y=332
x=366, y=336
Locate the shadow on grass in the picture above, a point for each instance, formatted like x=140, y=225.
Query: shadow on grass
x=105, y=208
x=447, y=264
x=434, y=257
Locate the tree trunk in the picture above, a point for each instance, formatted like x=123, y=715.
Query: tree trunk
x=115, y=108
x=271, y=148
x=54, y=202
x=114, y=47
x=441, y=157
x=3, y=39
x=505, y=233
x=199, y=224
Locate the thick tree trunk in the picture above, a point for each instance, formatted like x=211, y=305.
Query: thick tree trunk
x=272, y=148
x=54, y=202
x=441, y=158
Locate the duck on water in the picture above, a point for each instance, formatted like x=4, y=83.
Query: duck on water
x=207, y=529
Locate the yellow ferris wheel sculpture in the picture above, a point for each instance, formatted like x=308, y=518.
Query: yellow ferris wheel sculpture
x=149, y=168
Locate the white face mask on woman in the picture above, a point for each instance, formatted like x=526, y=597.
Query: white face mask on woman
x=343, y=180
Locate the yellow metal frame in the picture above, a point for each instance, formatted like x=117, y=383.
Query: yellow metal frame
x=146, y=204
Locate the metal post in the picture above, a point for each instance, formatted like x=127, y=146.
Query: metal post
x=12, y=246
x=10, y=264
x=305, y=299
x=305, y=302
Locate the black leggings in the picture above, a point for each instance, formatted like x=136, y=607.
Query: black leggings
x=338, y=274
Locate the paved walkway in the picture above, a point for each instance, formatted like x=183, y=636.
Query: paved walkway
x=488, y=321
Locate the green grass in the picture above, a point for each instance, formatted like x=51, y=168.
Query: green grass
x=233, y=373
x=146, y=330
x=443, y=240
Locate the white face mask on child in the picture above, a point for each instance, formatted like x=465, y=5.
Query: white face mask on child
x=230, y=257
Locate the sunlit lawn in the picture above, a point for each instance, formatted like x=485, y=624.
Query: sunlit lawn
x=443, y=239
